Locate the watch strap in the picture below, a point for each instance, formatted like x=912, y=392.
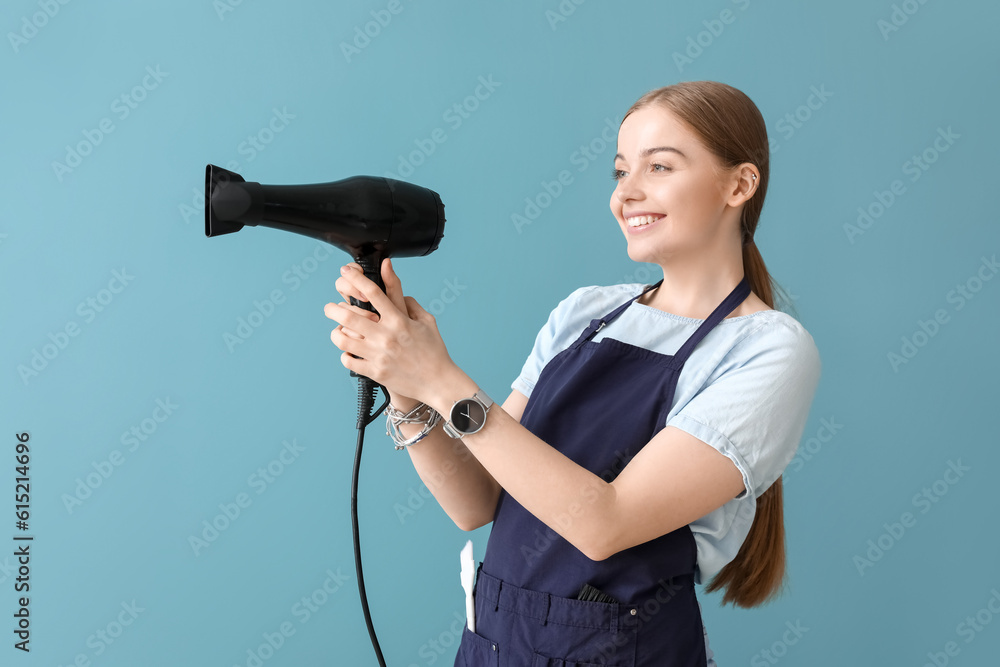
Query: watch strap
x=484, y=399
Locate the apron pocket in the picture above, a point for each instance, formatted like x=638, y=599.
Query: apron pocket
x=476, y=651
x=540, y=660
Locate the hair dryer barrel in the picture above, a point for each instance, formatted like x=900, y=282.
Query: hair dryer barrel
x=366, y=216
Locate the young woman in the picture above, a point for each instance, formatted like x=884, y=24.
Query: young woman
x=641, y=449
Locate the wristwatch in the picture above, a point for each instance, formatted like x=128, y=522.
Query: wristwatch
x=468, y=415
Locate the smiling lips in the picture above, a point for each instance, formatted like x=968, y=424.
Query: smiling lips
x=643, y=219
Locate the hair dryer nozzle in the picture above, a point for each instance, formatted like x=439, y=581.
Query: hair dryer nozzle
x=226, y=201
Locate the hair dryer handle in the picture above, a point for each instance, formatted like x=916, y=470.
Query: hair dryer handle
x=371, y=265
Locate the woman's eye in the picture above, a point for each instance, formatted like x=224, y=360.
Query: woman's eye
x=619, y=174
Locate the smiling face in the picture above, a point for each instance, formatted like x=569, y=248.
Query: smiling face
x=671, y=193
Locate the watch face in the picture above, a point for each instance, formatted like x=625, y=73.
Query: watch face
x=468, y=416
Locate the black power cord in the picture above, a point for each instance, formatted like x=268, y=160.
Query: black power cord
x=367, y=389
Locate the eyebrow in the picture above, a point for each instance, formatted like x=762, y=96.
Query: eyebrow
x=649, y=151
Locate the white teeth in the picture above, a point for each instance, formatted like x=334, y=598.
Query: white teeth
x=641, y=220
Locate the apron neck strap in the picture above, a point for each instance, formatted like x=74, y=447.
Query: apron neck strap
x=601, y=322
x=728, y=305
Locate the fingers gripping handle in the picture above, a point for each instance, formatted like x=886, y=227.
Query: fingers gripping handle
x=371, y=265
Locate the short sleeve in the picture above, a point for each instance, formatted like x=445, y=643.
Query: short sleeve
x=756, y=408
x=564, y=324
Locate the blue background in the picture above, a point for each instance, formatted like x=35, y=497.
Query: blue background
x=230, y=72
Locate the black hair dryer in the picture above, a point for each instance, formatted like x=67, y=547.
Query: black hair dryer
x=369, y=217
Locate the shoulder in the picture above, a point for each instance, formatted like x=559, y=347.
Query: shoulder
x=774, y=331
x=769, y=361
x=757, y=352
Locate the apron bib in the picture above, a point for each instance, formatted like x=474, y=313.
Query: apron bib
x=599, y=404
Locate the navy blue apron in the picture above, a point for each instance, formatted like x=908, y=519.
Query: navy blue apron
x=599, y=404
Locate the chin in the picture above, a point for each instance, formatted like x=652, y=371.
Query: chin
x=636, y=256
x=640, y=252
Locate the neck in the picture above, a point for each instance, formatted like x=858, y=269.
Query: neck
x=695, y=284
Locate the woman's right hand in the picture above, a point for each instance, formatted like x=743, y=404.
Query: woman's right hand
x=394, y=290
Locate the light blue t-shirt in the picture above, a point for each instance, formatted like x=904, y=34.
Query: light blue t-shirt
x=746, y=390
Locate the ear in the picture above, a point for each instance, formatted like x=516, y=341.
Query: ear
x=743, y=183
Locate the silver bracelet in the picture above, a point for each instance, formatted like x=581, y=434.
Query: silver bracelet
x=395, y=417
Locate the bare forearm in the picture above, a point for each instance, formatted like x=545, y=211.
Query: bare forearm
x=465, y=490
x=565, y=496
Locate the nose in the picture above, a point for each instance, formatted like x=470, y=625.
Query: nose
x=628, y=188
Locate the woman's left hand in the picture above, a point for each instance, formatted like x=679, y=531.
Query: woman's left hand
x=402, y=350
